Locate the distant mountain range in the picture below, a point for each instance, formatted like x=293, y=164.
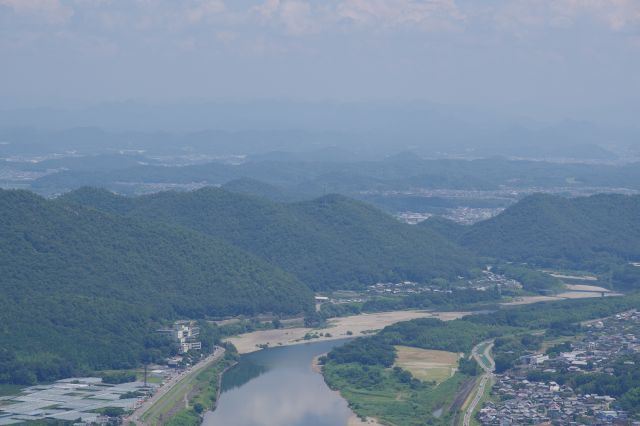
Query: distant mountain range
x=309, y=179
x=370, y=130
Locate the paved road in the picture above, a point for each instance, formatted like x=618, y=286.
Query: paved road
x=136, y=416
x=488, y=372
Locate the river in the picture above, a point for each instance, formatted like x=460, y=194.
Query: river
x=277, y=387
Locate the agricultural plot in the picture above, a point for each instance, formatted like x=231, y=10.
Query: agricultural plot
x=427, y=365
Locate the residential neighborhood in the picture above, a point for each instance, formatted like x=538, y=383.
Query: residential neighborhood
x=523, y=396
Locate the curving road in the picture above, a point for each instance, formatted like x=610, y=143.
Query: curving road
x=481, y=359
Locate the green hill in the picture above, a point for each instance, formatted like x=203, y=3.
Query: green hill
x=248, y=186
x=330, y=242
x=444, y=227
x=548, y=230
x=85, y=289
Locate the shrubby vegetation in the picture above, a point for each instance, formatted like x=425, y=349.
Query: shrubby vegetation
x=469, y=366
x=432, y=333
x=118, y=377
x=531, y=279
x=626, y=277
x=372, y=351
x=507, y=350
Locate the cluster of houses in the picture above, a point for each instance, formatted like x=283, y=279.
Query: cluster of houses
x=412, y=218
x=487, y=281
x=526, y=402
x=471, y=215
x=535, y=403
x=403, y=287
x=463, y=215
x=604, y=341
x=490, y=280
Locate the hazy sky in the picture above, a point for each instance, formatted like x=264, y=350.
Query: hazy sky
x=535, y=54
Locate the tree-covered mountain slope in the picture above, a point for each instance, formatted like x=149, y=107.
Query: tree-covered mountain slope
x=84, y=288
x=248, y=186
x=554, y=231
x=330, y=242
x=445, y=227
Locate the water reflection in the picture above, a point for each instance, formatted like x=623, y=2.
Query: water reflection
x=241, y=374
x=277, y=387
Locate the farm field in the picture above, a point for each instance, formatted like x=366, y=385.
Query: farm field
x=427, y=365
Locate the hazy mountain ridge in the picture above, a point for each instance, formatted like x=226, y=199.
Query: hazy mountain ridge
x=309, y=179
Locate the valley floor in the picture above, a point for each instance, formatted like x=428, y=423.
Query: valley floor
x=337, y=328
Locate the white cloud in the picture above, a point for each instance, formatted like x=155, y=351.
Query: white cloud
x=527, y=15
x=296, y=17
x=299, y=17
x=205, y=9
x=53, y=11
x=617, y=14
x=426, y=15
x=268, y=9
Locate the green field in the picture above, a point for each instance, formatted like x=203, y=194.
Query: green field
x=426, y=364
x=383, y=394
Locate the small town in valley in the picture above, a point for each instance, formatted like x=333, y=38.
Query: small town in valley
x=532, y=393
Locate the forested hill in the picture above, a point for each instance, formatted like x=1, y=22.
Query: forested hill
x=330, y=242
x=445, y=227
x=554, y=231
x=248, y=186
x=83, y=288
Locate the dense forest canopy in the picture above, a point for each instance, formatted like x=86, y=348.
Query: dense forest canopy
x=589, y=233
x=329, y=242
x=86, y=288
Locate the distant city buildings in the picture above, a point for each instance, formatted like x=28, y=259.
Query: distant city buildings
x=462, y=215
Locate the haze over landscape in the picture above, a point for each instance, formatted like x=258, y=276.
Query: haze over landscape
x=339, y=213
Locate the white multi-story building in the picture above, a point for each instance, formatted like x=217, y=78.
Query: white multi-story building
x=186, y=334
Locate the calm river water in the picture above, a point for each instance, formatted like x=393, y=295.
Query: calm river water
x=277, y=387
